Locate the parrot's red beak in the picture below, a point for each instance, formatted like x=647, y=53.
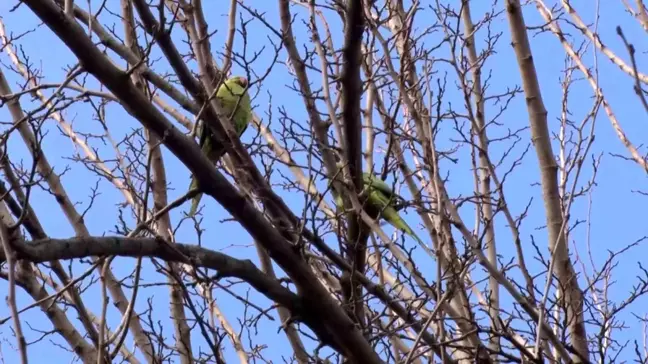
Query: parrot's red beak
x=243, y=82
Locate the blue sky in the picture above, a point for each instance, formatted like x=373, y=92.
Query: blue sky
x=616, y=220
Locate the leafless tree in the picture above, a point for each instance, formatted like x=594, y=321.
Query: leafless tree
x=446, y=101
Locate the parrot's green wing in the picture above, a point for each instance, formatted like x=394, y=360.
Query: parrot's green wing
x=338, y=201
x=380, y=198
x=383, y=203
x=378, y=184
x=236, y=105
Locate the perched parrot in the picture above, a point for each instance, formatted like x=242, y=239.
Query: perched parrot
x=231, y=95
x=380, y=200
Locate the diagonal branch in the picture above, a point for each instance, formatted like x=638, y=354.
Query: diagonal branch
x=345, y=335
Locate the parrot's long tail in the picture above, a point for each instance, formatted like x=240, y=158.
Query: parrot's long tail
x=417, y=238
x=196, y=200
x=408, y=230
x=398, y=222
x=194, y=204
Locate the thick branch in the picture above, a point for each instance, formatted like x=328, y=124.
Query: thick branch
x=44, y=250
x=352, y=89
x=564, y=268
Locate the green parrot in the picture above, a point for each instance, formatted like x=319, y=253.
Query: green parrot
x=231, y=95
x=379, y=199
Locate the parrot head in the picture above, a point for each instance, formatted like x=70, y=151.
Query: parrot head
x=240, y=80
